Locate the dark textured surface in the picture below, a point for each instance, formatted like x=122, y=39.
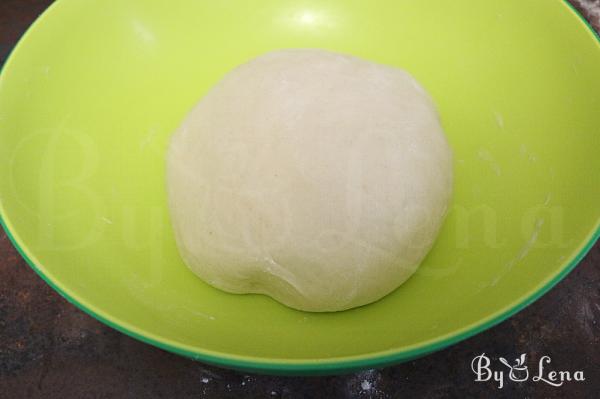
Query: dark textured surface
x=50, y=349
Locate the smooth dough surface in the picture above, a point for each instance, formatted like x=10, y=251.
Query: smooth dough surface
x=316, y=178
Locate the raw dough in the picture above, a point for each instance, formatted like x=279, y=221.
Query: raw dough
x=316, y=178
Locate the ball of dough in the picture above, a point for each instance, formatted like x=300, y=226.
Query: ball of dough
x=316, y=178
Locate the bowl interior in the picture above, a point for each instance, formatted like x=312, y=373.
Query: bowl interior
x=91, y=95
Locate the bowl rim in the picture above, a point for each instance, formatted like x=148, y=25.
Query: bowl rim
x=282, y=365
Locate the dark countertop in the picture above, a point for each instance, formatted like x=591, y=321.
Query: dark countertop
x=50, y=349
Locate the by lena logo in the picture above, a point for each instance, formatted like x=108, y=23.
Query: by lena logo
x=519, y=372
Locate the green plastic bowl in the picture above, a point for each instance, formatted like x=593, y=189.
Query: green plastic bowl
x=91, y=94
